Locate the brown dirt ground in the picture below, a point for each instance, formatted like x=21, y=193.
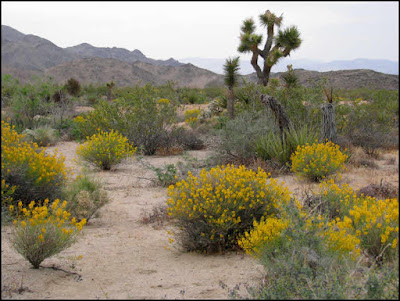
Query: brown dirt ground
x=118, y=257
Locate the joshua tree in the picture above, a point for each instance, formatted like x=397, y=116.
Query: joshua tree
x=290, y=79
x=110, y=86
x=328, y=129
x=284, y=42
x=231, y=68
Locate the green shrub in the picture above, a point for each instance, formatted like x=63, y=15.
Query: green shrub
x=41, y=232
x=104, y=150
x=188, y=139
x=85, y=196
x=167, y=175
x=212, y=210
x=302, y=262
x=238, y=135
x=192, y=96
x=299, y=265
x=73, y=87
x=43, y=135
x=142, y=121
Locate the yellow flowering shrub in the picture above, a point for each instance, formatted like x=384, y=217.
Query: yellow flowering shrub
x=354, y=223
x=164, y=101
x=44, y=230
x=191, y=116
x=376, y=224
x=105, y=149
x=35, y=174
x=6, y=193
x=335, y=201
x=339, y=237
x=317, y=161
x=263, y=232
x=212, y=210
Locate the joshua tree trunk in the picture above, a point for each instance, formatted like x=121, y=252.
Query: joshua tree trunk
x=328, y=130
x=281, y=117
x=109, y=94
x=230, y=103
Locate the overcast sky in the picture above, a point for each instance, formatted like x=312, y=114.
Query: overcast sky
x=330, y=30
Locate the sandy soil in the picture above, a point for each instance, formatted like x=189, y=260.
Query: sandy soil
x=119, y=257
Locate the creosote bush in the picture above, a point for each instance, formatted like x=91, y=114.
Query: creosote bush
x=317, y=161
x=212, y=210
x=36, y=174
x=104, y=149
x=43, y=231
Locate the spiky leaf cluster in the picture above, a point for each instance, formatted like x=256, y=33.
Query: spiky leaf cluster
x=231, y=69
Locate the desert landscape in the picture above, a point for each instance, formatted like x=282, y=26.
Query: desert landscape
x=146, y=156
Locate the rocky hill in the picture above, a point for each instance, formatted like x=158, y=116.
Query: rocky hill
x=342, y=79
x=102, y=70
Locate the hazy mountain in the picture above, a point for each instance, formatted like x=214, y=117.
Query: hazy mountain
x=35, y=53
x=29, y=51
x=384, y=66
x=86, y=50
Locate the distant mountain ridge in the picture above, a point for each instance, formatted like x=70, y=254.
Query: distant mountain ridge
x=384, y=66
x=26, y=56
x=35, y=53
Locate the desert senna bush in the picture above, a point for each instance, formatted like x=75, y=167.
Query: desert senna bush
x=44, y=230
x=376, y=224
x=333, y=200
x=356, y=223
x=35, y=173
x=105, y=149
x=340, y=237
x=262, y=232
x=191, y=116
x=213, y=209
x=317, y=161
x=164, y=101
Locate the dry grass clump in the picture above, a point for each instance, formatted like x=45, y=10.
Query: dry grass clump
x=157, y=216
x=359, y=158
x=382, y=191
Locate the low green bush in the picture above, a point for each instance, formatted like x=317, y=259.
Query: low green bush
x=85, y=196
